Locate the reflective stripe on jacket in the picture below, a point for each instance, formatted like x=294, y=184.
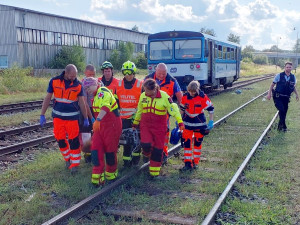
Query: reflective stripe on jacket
x=128, y=98
x=66, y=105
x=193, y=108
x=155, y=108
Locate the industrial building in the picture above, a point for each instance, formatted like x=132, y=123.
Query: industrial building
x=31, y=38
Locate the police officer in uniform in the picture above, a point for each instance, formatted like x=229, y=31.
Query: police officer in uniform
x=285, y=85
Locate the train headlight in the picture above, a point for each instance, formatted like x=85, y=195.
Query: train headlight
x=149, y=67
x=192, y=66
x=198, y=66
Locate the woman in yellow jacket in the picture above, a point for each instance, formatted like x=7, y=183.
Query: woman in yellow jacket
x=153, y=107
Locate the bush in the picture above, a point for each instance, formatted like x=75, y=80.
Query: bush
x=140, y=60
x=69, y=55
x=260, y=59
x=121, y=55
x=16, y=79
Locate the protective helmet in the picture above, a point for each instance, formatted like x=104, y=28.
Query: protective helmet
x=106, y=65
x=127, y=67
x=175, y=135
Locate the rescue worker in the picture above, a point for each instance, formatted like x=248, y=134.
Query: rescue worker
x=68, y=94
x=107, y=131
x=192, y=107
x=170, y=85
x=128, y=93
x=108, y=78
x=85, y=132
x=285, y=85
x=151, y=116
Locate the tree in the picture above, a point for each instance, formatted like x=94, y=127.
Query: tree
x=234, y=38
x=260, y=59
x=247, y=52
x=69, y=55
x=208, y=31
x=135, y=28
x=122, y=54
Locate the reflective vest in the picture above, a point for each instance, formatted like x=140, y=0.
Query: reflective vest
x=66, y=105
x=158, y=106
x=167, y=85
x=128, y=98
x=285, y=87
x=193, y=108
x=113, y=85
x=104, y=98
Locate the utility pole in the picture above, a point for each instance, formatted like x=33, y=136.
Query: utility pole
x=296, y=51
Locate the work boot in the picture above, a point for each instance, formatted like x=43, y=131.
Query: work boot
x=127, y=163
x=74, y=170
x=165, y=159
x=145, y=159
x=68, y=164
x=87, y=158
x=195, y=166
x=187, y=167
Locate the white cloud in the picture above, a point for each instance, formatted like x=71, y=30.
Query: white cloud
x=108, y=4
x=162, y=13
x=57, y=3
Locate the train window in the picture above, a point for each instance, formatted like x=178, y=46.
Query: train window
x=185, y=49
x=224, y=52
x=232, y=53
x=220, y=51
x=216, y=51
x=160, y=50
x=228, y=53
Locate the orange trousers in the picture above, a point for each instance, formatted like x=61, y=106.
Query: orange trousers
x=70, y=149
x=192, y=154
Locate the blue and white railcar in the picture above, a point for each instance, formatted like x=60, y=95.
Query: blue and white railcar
x=195, y=56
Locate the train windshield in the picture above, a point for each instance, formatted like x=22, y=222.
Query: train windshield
x=187, y=49
x=161, y=50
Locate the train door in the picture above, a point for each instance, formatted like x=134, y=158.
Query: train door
x=237, y=58
x=211, y=63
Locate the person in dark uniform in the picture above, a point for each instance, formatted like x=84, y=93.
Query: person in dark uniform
x=285, y=85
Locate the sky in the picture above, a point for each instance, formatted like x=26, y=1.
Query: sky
x=260, y=23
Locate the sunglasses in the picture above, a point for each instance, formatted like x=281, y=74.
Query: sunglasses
x=127, y=72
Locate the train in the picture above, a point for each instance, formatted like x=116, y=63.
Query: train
x=197, y=56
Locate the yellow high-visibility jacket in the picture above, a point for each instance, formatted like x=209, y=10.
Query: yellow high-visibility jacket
x=155, y=110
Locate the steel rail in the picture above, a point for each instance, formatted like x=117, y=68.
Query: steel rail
x=24, y=129
x=209, y=219
x=85, y=206
x=15, y=148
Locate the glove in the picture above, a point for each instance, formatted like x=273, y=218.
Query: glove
x=135, y=126
x=42, y=120
x=93, y=120
x=86, y=122
x=210, y=124
x=181, y=126
x=96, y=125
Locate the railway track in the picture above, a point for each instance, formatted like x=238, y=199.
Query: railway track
x=27, y=106
x=217, y=167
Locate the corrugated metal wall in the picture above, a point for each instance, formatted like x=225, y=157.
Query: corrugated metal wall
x=39, y=55
x=8, y=37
